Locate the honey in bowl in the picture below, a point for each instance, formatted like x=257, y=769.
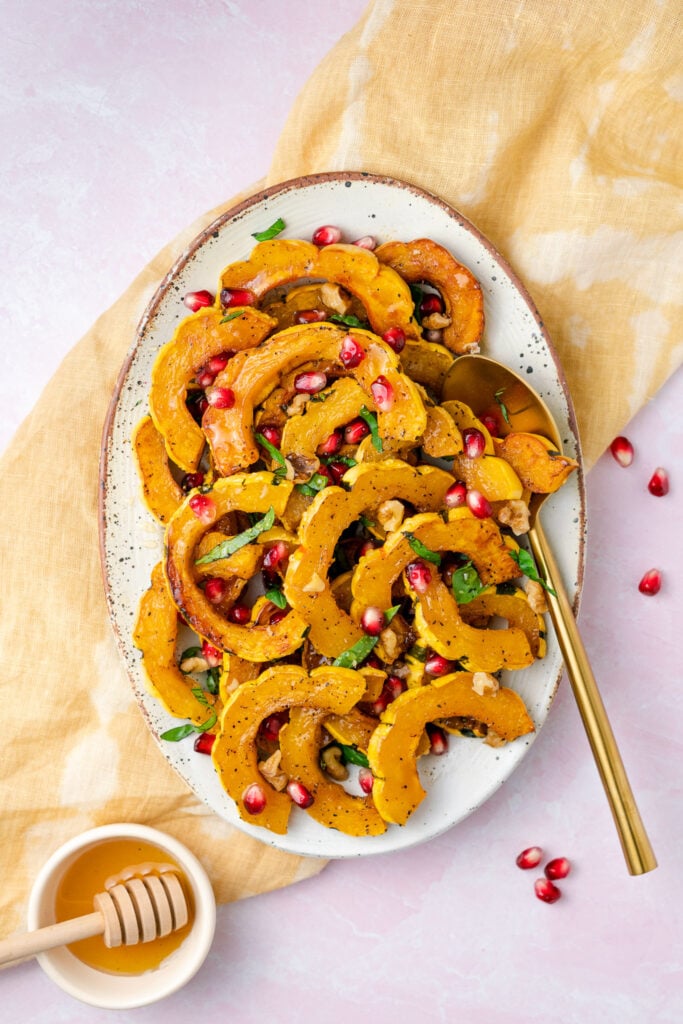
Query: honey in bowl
x=87, y=875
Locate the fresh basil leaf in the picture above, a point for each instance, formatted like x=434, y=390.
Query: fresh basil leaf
x=231, y=316
x=208, y=724
x=466, y=584
x=420, y=549
x=388, y=615
x=417, y=292
x=345, y=460
x=526, y=563
x=356, y=655
x=501, y=403
x=371, y=421
x=200, y=696
x=271, y=232
x=354, y=756
x=348, y=321
x=232, y=544
x=418, y=653
x=276, y=455
x=213, y=679
x=276, y=596
x=321, y=396
x=179, y=733
x=318, y=482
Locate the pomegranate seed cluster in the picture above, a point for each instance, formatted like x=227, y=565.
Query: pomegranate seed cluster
x=342, y=543
x=554, y=870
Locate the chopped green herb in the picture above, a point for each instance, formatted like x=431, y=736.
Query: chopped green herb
x=189, y=652
x=371, y=421
x=179, y=733
x=200, y=696
x=466, y=584
x=276, y=596
x=208, y=724
x=418, y=652
x=321, y=396
x=367, y=523
x=232, y=544
x=348, y=321
x=354, y=756
x=318, y=482
x=506, y=588
x=501, y=403
x=417, y=292
x=526, y=563
x=420, y=549
x=231, y=316
x=276, y=455
x=271, y=232
x=213, y=678
x=345, y=460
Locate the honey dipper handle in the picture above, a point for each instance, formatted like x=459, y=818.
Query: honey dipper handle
x=18, y=947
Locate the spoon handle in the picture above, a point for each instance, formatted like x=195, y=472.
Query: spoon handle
x=639, y=855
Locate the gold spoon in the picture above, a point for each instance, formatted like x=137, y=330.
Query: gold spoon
x=481, y=382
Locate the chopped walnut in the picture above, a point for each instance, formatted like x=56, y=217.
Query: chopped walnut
x=484, y=684
x=334, y=297
x=494, y=740
x=536, y=595
x=389, y=642
x=331, y=760
x=436, y=321
x=194, y=665
x=270, y=770
x=515, y=514
x=303, y=467
x=315, y=585
x=296, y=406
x=390, y=514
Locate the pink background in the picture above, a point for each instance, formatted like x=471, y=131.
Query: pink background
x=122, y=122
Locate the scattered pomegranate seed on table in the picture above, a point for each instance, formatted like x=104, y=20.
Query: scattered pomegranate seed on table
x=198, y=300
x=622, y=450
x=559, y=867
x=351, y=353
x=204, y=742
x=529, y=858
x=651, y=582
x=310, y=383
x=326, y=235
x=382, y=393
x=203, y=507
x=395, y=338
x=546, y=890
x=372, y=621
x=298, y=793
x=221, y=398
x=474, y=442
x=659, y=483
x=478, y=505
x=254, y=799
x=215, y=589
x=456, y=495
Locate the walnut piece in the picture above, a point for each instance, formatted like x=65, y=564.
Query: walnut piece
x=536, y=596
x=484, y=684
x=331, y=760
x=194, y=665
x=390, y=514
x=270, y=770
x=436, y=321
x=389, y=642
x=494, y=740
x=296, y=406
x=334, y=298
x=315, y=585
x=515, y=514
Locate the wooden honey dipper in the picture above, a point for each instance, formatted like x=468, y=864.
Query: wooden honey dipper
x=140, y=904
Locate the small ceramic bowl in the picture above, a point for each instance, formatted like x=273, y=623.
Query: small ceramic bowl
x=124, y=991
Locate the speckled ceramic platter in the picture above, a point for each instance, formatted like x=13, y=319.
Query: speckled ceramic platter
x=359, y=204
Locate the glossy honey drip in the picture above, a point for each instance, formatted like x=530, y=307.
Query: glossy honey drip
x=86, y=876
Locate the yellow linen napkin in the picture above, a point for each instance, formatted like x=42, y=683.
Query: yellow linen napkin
x=551, y=126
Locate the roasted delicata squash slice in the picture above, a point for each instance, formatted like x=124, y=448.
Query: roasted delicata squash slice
x=536, y=461
x=251, y=376
x=235, y=755
x=384, y=295
x=514, y=609
x=161, y=492
x=307, y=587
x=393, y=746
x=253, y=492
x=425, y=260
x=156, y=636
x=427, y=363
x=204, y=334
x=234, y=672
x=301, y=435
x=301, y=741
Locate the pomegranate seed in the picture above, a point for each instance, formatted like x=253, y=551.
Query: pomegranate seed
x=395, y=338
x=436, y=665
x=278, y=616
x=310, y=383
x=239, y=614
x=202, y=405
x=254, y=799
x=270, y=728
x=431, y=304
x=204, y=742
x=622, y=450
x=310, y=316
x=373, y=662
x=327, y=235
x=366, y=779
x=205, y=379
x=372, y=621
x=491, y=424
x=557, y=868
x=381, y=704
x=366, y=547
x=198, y=300
x=298, y=793
x=659, y=483
x=272, y=434
x=419, y=576
x=332, y=444
x=382, y=393
x=474, y=443
x=337, y=470
x=456, y=495
x=203, y=507
x=478, y=505
x=190, y=481
x=355, y=431
x=438, y=740
x=221, y=398
x=275, y=557
x=215, y=589
x=211, y=654
x=351, y=353
x=529, y=858
x=366, y=242
x=394, y=687
x=237, y=297
x=546, y=890
x=218, y=363
x=651, y=582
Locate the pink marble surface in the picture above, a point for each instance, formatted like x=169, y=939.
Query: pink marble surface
x=109, y=114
